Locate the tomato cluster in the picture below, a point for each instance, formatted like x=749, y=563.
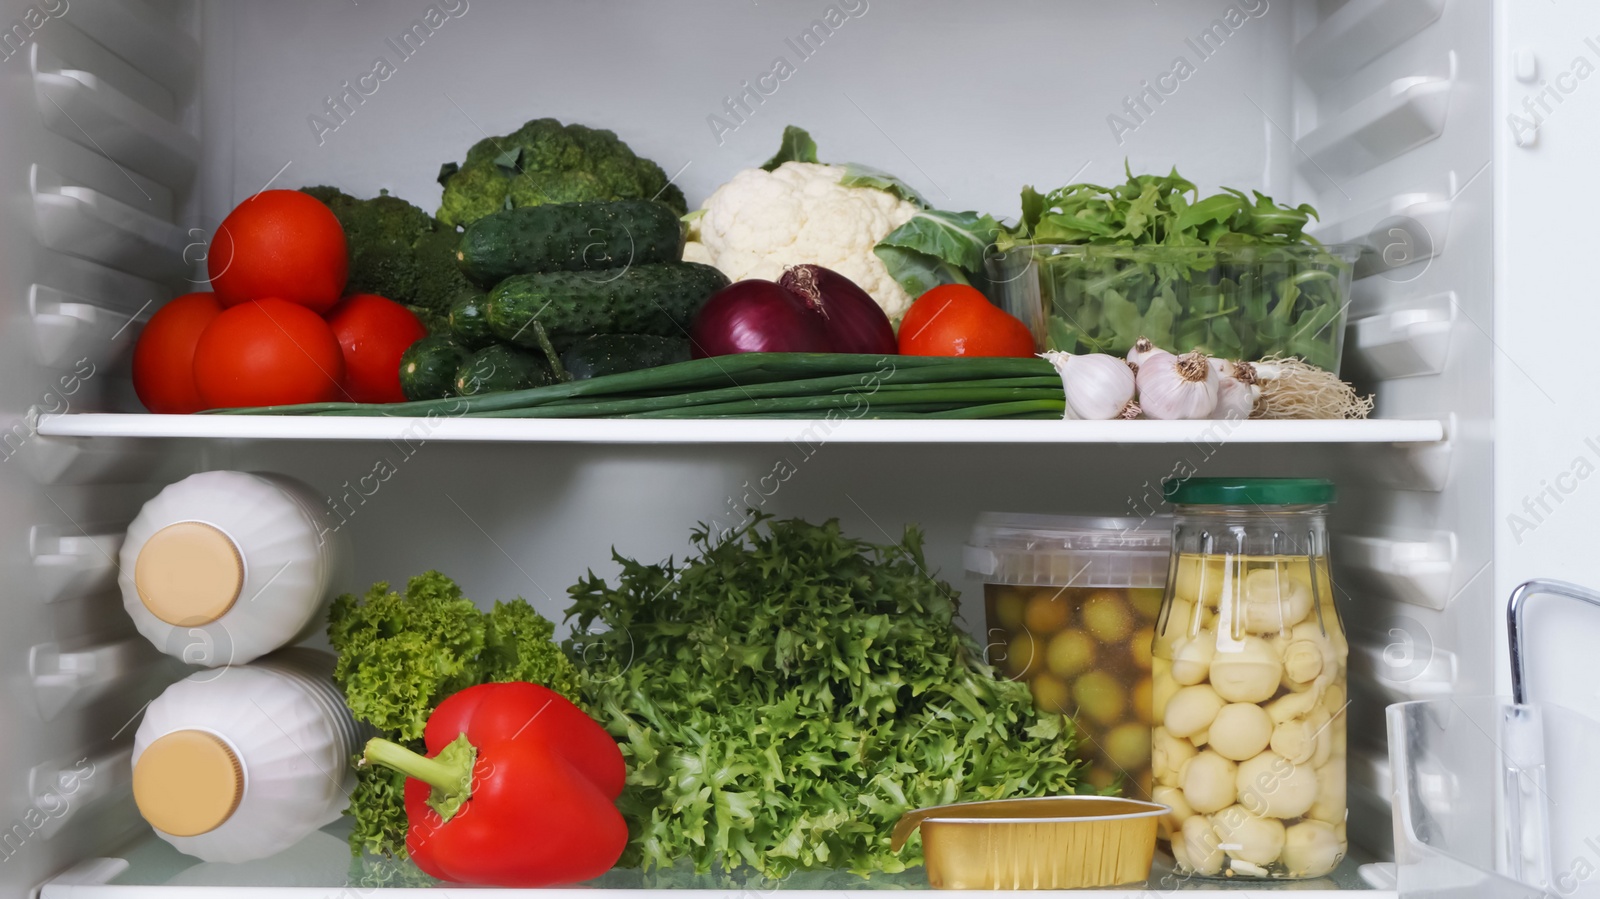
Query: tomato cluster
x=274, y=329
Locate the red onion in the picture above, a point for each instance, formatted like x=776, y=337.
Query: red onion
x=756, y=316
x=853, y=321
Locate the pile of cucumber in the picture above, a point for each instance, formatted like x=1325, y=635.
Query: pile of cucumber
x=570, y=291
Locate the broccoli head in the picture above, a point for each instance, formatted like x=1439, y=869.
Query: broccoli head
x=397, y=251
x=543, y=162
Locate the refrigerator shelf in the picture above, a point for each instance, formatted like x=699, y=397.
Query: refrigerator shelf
x=726, y=431
x=318, y=865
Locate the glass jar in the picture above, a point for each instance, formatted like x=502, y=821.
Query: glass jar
x=1249, y=682
x=1071, y=605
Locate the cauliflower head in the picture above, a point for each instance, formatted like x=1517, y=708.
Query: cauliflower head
x=759, y=222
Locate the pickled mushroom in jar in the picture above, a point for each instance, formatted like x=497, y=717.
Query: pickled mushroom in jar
x=1191, y=710
x=1191, y=659
x=1246, y=671
x=1248, y=837
x=1209, y=782
x=1204, y=580
x=1168, y=755
x=1179, y=620
x=1311, y=849
x=1274, y=787
x=1274, y=601
x=1241, y=730
x=1200, y=846
x=1330, y=804
x=1172, y=798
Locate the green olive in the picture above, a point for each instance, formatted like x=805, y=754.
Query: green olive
x=1146, y=601
x=1020, y=653
x=1099, y=697
x=1007, y=605
x=1050, y=694
x=1128, y=746
x=1047, y=612
x=1069, y=653
x=1106, y=617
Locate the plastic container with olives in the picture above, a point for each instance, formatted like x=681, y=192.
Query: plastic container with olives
x=1071, y=605
x=1249, y=681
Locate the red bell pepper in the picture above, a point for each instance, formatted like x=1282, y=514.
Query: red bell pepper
x=518, y=789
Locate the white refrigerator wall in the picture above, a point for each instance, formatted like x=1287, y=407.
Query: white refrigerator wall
x=1547, y=436
x=1371, y=109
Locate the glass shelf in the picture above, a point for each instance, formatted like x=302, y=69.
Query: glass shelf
x=320, y=866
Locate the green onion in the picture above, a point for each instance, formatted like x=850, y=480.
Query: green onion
x=758, y=384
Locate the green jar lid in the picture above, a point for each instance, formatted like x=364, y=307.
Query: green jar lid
x=1248, y=491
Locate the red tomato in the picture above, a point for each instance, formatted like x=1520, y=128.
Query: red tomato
x=279, y=243
x=268, y=352
x=374, y=333
x=957, y=320
x=163, y=359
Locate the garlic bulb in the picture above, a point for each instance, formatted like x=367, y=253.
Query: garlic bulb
x=1177, y=387
x=1142, y=350
x=1097, y=387
x=1236, y=390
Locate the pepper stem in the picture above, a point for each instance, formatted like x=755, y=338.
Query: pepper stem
x=449, y=772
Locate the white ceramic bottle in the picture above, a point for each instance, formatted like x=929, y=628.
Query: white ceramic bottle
x=241, y=763
x=225, y=566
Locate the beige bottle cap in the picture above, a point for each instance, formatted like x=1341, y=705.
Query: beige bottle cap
x=187, y=783
x=189, y=574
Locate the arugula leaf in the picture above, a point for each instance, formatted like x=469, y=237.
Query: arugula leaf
x=797, y=146
x=1033, y=204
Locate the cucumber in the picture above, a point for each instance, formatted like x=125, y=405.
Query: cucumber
x=610, y=354
x=469, y=323
x=498, y=368
x=658, y=299
x=569, y=237
x=428, y=368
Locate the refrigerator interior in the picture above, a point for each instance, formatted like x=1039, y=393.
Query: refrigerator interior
x=135, y=125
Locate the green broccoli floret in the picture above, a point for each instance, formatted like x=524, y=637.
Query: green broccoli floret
x=401, y=654
x=398, y=251
x=545, y=161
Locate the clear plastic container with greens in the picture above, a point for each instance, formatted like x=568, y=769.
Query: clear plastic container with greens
x=1070, y=604
x=1232, y=302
